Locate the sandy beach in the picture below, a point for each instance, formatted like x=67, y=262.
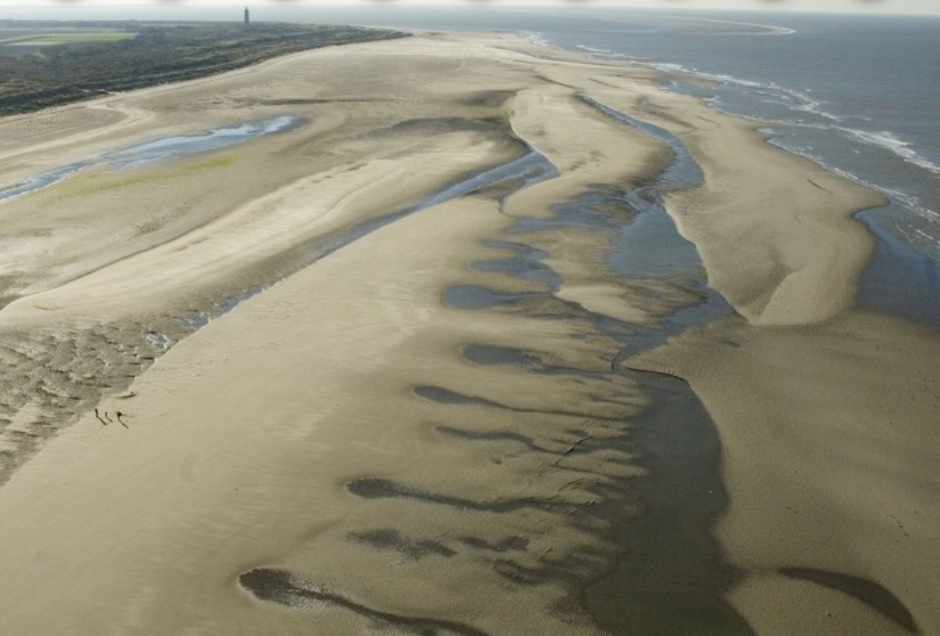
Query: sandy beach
x=366, y=374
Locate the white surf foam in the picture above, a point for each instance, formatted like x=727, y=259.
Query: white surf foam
x=891, y=142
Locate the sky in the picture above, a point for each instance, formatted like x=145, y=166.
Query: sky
x=930, y=7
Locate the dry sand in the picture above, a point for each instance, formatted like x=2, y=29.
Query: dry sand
x=323, y=459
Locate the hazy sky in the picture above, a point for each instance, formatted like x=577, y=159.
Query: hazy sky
x=866, y=6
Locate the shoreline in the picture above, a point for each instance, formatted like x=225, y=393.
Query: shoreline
x=218, y=437
x=894, y=266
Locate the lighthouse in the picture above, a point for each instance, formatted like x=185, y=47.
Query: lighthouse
x=247, y=19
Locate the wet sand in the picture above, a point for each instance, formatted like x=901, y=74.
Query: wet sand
x=415, y=420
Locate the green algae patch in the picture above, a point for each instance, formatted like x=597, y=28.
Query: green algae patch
x=97, y=180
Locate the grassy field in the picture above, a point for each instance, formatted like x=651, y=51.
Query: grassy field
x=30, y=41
x=46, y=64
x=54, y=39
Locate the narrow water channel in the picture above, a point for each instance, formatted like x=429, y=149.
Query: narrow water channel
x=159, y=151
x=671, y=577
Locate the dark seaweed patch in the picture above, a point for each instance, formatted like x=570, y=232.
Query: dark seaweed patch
x=494, y=436
x=278, y=586
x=378, y=488
x=446, y=396
x=391, y=539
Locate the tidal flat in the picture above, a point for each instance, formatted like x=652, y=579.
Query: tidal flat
x=460, y=351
